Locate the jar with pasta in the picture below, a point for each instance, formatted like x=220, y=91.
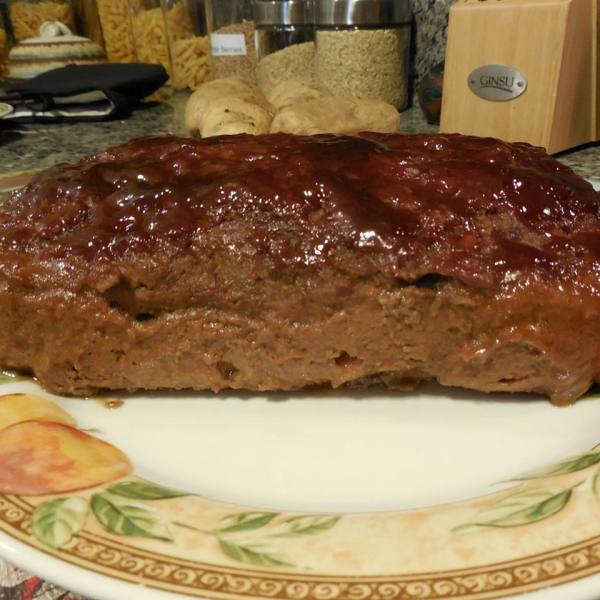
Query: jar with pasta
x=116, y=30
x=3, y=51
x=284, y=41
x=150, y=33
x=26, y=16
x=189, y=43
x=362, y=48
x=231, y=28
x=89, y=20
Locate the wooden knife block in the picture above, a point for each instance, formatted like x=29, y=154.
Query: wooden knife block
x=553, y=43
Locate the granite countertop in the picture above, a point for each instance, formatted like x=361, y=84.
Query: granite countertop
x=34, y=146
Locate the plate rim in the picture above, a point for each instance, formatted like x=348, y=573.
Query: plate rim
x=70, y=567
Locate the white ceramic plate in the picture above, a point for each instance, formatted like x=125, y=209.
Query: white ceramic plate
x=433, y=494
x=5, y=109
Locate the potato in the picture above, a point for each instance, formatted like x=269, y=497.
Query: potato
x=235, y=113
x=337, y=115
x=295, y=91
x=221, y=97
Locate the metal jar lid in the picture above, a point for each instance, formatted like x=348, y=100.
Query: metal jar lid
x=362, y=12
x=283, y=12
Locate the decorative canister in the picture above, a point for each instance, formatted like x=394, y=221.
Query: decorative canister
x=189, y=43
x=55, y=46
x=231, y=28
x=27, y=16
x=363, y=47
x=284, y=41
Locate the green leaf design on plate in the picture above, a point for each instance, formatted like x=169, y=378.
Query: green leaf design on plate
x=122, y=516
x=244, y=522
x=255, y=554
x=596, y=485
x=54, y=523
x=569, y=465
x=139, y=490
x=305, y=525
x=522, y=508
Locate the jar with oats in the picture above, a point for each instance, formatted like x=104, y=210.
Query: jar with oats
x=26, y=16
x=189, y=43
x=362, y=48
x=231, y=28
x=284, y=41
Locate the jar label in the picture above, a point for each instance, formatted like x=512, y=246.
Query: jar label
x=228, y=44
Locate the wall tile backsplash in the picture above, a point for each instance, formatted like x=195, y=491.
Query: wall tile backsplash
x=430, y=29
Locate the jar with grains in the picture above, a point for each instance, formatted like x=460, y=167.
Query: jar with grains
x=150, y=33
x=189, y=43
x=284, y=41
x=362, y=48
x=116, y=30
x=26, y=16
x=231, y=28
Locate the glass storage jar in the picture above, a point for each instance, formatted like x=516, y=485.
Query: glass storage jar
x=189, y=43
x=150, y=33
x=86, y=12
x=3, y=51
x=363, y=47
x=26, y=16
x=116, y=30
x=231, y=28
x=284, y=40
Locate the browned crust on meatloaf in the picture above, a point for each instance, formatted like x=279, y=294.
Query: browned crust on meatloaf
x=279, y=262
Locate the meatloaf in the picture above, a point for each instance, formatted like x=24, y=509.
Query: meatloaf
x=280, y=262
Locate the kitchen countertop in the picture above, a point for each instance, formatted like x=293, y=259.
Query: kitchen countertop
x=25, y=147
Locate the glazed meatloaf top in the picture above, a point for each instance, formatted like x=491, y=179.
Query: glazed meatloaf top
x=479, y=210
x=280, y=262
